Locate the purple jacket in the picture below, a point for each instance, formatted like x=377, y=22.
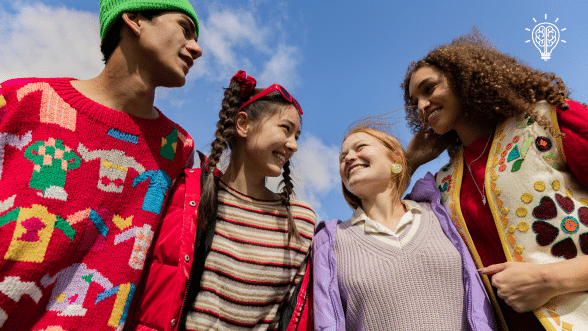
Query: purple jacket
x=328, y=309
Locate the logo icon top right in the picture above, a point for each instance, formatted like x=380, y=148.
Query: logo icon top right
x=545, y=37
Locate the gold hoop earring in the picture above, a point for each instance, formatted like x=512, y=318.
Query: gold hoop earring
x=396, y=168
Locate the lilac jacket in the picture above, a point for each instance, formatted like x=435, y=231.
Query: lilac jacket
x=328, y=309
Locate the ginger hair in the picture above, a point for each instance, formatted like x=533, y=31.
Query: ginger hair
x=394, y=148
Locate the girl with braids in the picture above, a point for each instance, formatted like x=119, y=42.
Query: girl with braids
x=396, y=264
x=516, y=185
x=230, y=254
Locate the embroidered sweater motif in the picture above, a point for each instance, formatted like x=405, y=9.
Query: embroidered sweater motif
x=81, y=190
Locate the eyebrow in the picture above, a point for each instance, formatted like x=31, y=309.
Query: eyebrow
x=423, y=82
x=291, y=123
x=192, y=25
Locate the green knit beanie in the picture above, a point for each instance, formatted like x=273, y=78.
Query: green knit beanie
x=111, y=10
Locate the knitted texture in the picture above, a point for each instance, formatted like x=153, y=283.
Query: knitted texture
x=416, y=287
x=82, y=187
x=111, y=10
x=250, y=266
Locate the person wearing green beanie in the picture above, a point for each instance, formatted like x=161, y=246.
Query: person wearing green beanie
x=111, y=10
x=86, y=167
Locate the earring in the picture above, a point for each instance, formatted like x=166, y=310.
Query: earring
x=396, y=168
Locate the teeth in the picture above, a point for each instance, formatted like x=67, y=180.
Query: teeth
x=431, y=114
x=280, y=157
x=357, y=167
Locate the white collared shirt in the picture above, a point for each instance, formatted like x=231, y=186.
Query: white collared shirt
x=405, y=229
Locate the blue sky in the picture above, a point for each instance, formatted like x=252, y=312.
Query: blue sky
x=342, y=60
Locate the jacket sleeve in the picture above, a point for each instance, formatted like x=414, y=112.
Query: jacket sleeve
x=327, y=305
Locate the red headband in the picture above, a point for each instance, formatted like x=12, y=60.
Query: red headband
x=247, y=83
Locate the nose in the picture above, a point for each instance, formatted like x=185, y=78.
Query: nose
x=423, y=104
x=194, y=49
x=292, y=144
x=350, y=156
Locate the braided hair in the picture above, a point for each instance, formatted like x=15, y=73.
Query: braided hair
x=226, y=138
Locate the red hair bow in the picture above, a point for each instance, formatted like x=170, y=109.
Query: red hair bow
x=247, y=83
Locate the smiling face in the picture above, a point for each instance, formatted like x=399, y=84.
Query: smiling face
x=168, y=48
x=439, y=108
x=364, y=165
x=271, y=142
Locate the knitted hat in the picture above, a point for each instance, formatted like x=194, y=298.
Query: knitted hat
x=111, y=10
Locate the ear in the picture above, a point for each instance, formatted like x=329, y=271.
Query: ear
x=242, y=124
x=132, y=21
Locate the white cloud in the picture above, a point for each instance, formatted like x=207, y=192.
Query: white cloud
x=46, y=41
x=237, y=38
x=315, y=170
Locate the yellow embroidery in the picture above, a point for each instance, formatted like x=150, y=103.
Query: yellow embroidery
x=539, y=186
x=569, y=193
x=523, y=226
x=555, y=317
x=522, y=211
x=556, y=186
x=527, y=198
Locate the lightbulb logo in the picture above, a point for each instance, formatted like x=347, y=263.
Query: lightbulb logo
x=545, y=36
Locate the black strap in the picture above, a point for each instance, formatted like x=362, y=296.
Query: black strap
x=288, y=305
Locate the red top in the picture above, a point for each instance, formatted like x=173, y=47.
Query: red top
x=478, y=217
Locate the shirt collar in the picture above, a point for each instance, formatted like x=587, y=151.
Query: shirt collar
x=371, y=226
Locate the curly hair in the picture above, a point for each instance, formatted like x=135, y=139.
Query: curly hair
x=226, y=138
x=490, y=85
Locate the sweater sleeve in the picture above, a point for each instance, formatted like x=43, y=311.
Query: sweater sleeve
x=574, y=125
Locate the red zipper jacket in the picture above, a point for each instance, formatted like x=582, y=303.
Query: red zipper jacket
x=161, y=298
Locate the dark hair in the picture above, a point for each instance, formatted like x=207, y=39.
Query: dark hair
x=113, y=35
x=225, y=137
x=489, y=85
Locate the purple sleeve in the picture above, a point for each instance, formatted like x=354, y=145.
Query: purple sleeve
x=328, y=309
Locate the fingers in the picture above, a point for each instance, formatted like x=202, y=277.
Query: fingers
x=493, y=269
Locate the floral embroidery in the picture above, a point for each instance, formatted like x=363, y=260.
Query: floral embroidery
x=547, y=233
x=445, y=186
x=543, y=144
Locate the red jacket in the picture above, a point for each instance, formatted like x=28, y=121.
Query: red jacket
x=168, y=268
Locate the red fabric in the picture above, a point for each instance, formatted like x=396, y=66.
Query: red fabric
x=167, y=271
x=86, y=184
x=302, y=316
x=574, y=123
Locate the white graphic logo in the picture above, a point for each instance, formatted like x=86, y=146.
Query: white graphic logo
x=545, y=36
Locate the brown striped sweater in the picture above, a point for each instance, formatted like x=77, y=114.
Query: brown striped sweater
x=250, y=266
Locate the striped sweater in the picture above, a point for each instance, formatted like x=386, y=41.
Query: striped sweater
x=250, y=266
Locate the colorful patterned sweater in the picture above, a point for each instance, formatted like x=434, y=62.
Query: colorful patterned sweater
x=250, y=266
x=81, y=190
